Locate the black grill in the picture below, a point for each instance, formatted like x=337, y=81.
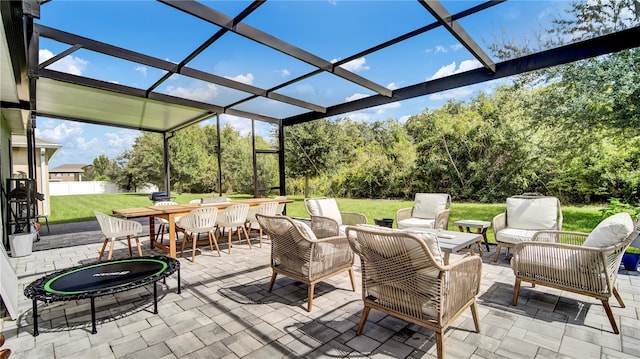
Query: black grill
x=159, y=196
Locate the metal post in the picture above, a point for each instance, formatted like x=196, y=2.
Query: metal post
x=283, y=191
x=219, y=155
x=165, y=162
x=255, y=158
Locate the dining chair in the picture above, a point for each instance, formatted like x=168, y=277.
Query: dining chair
x=163, y=223
x=199, y=220
x=234, y=217
x=113, y=228
x=281, y=206
x=268, y=209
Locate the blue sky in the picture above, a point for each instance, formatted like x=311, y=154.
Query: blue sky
x=168, y=34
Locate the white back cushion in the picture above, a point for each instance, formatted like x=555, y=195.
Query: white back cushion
x=427, y=205
x=610, y=231
x=532, y=213
x=325, y=207
x=305, y=229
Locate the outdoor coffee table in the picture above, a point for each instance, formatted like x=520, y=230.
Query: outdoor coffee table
x=480, y=226
x=97, y=279
x=450, y=241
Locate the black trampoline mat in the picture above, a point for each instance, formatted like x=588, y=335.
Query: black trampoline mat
x=104, y=276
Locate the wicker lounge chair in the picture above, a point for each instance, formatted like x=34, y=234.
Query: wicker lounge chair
x=298, y=253
x=403, y=276
x=430, y=210
x=525, y=215
x=328, y=208
x=561, y=260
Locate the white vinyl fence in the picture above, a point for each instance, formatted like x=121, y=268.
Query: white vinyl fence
x=90, y=187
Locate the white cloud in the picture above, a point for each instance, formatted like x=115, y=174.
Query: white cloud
x=355, y=96
x=403, y=119
x=456, y=47
x=444, y=71
x=84, y=145
x=142, y=70
x=206, y=93
x=240, y=124
x=467, y=65
x=356, y=65
x=373, y=113
x=245, y=79
x=284, y=72
x=451, y=69
x=122, y=139
x=394, y=86
x=462, y=92
x=428, y=51
x=68, y=64
x=440, y=48
x=457, y=93
x=61, y=133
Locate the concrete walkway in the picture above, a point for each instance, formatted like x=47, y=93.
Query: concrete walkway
x=225, y=311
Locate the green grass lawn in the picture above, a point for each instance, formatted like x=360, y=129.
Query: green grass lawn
x=77, y=208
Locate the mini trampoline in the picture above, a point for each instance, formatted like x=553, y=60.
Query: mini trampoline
x=97, y=279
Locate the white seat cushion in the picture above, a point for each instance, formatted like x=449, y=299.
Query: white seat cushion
x=515, y=235
x=610, y=231
x=325, y=207
x=427, y=205
x=416, y=223
x=532, y=213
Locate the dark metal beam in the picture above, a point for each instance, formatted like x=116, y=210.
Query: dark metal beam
x=103, y=48
x=251, y=115
x=442, y=15
x=614, y=42
x=208, y=14
x=92, y=121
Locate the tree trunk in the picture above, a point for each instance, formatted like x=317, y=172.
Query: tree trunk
x=306, y=186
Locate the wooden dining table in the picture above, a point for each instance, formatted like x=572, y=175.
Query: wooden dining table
x=171, y=212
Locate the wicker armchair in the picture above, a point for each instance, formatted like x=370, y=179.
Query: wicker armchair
x=525, y=215
x=561, y=260
x=298, y=253
x=328, y=208
x=430, y=210
x=403, y=277
x=113, y=228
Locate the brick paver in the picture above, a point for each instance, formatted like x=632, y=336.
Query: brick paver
x=225, y=311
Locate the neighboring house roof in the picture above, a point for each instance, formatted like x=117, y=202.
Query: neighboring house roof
x=69, y=168
x=50, y=148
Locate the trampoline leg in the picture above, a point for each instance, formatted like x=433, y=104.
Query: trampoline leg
x=179, y=289
x=93, y=316
x=155, y=297
x=35, y=319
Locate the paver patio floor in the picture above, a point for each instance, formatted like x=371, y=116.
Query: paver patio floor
x=225, y=311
